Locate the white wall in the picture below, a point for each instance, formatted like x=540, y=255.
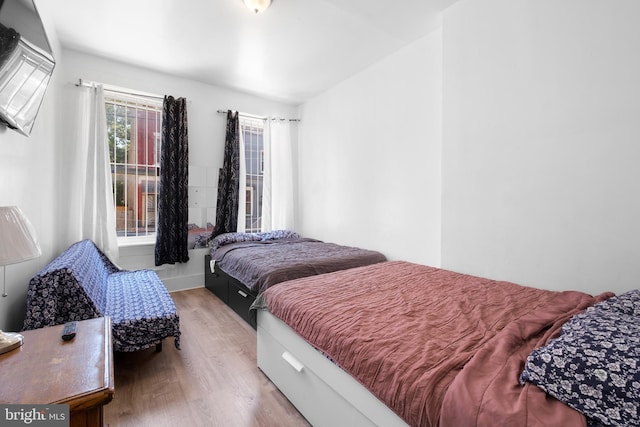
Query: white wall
x=503, y=145
x=541, y=183
x=369, y=157
x=32, y=170
x=206, y=141
x=28, y=180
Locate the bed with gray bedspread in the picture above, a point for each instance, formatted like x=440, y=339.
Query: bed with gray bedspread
x=259, y=261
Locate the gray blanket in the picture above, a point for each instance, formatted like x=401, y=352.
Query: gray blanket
x=259, y=265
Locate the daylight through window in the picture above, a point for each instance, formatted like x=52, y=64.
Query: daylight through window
x=134, y=126
x=253, y=135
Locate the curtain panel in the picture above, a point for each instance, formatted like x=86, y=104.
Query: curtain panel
x=229, y=179
x=278, y=191
x=89, y=208
x=173, y=211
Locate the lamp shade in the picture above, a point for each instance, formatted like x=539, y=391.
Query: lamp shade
x=17, y=239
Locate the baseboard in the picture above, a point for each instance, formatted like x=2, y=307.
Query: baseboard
x=181, y=283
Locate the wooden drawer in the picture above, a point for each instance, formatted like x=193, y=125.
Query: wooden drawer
x=229, y=290
x=240, y=300
x=215, y=282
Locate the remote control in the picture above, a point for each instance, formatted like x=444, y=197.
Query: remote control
x=69, y=330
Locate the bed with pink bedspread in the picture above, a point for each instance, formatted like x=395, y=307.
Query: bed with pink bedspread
x=435, y=346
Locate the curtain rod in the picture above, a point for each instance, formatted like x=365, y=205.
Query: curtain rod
x=82, y=83
x=253, y=116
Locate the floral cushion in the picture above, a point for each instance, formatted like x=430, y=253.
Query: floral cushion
x=69, y=287
x=82, y=284
x=594, y=366
x=627, y=303
x=147, y=322
x=279, y=234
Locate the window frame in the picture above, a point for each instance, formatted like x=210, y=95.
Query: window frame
x=137, y=146
x=254, y=174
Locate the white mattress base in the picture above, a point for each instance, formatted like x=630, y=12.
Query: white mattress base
x=323, y=393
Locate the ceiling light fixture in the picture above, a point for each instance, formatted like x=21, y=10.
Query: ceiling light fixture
x=257, y=6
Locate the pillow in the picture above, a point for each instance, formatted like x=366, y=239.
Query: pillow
x=279, y=234
x=628, y=303
x=594, y=366
x=228, y=238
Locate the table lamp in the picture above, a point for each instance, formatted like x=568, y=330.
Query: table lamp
x=17, y=243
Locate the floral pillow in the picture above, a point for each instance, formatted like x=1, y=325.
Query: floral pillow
x=279, y=234
x=628, y=303
x=594, y=366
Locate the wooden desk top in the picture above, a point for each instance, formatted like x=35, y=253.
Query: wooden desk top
x=46, y=369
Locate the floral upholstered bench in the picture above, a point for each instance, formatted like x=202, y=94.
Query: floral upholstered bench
x=82, y=283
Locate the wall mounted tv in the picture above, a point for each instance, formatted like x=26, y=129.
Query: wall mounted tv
x=26, y=64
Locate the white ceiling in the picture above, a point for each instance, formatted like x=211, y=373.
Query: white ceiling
x=290, y=52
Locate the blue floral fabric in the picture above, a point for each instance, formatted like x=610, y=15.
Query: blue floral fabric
x=141, y=310
x=82, y=283
x=627, y=303
x=279, y=234
x=594, y=366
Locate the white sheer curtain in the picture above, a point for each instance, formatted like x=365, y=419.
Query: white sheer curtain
x=91, y=211
x=277, y=198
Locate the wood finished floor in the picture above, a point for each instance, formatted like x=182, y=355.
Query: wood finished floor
x=212, y=381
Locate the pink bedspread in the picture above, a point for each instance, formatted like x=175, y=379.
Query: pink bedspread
x=406, y=332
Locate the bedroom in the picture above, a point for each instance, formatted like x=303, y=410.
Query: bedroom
x=513, y=126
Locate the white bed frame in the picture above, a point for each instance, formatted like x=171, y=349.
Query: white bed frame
x=323, y=393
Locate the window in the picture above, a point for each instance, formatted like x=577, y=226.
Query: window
x=253, y=133
x=134, y=126
x=248, y=200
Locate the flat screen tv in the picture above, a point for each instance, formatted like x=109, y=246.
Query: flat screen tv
x=26, y=64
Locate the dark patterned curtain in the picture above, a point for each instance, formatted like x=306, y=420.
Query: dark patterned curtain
x=229, y=179
x=173, y=213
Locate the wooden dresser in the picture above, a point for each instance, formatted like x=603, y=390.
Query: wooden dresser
x=47, y=369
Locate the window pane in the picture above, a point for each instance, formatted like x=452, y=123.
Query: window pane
x=253, y=132
x=133, y=127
